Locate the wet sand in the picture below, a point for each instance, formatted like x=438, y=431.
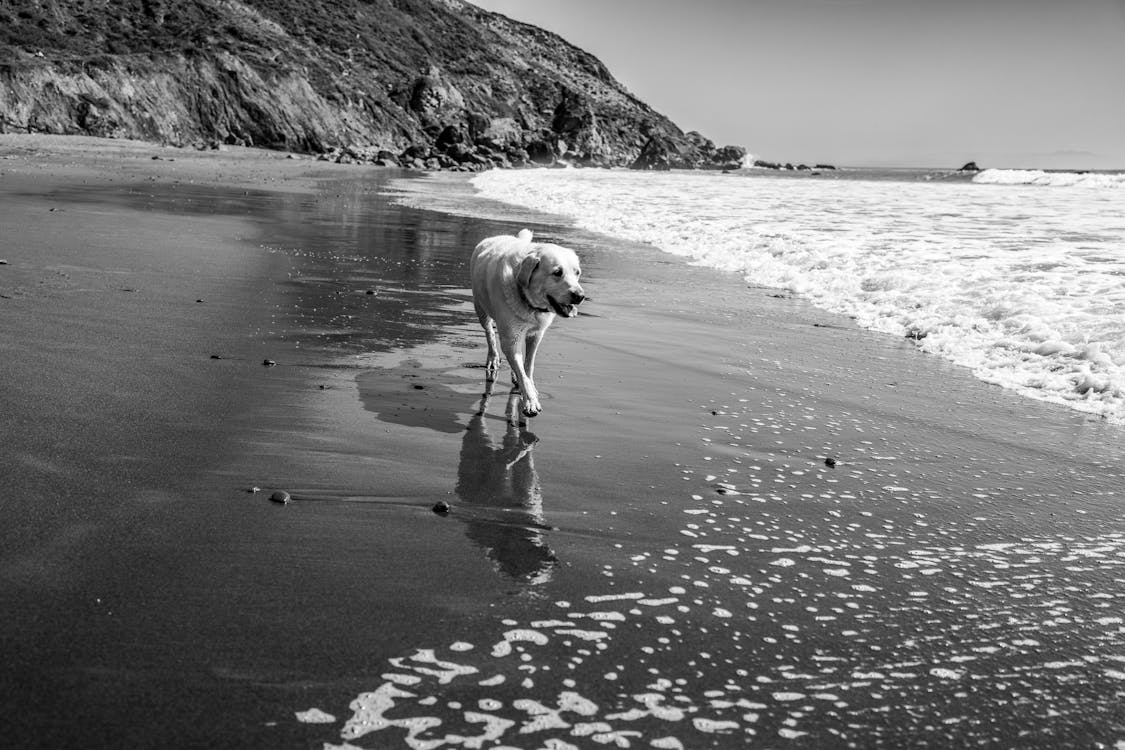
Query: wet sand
x=663, y=558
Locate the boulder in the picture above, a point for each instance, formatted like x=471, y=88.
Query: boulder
x=501, y=133
x=476, y=125
x=700, y=142
x=518, y=156
x=433, y=99
x=969, y=167
x=572, y=114
x=450, y=135
x=540, y=151
x=663, y=152
x=730, y=155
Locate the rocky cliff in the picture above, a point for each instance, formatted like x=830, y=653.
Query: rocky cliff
x=424, y=83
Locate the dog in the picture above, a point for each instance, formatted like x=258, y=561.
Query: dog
x=519, y=287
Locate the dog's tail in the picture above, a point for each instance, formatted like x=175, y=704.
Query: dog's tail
x=524, y=235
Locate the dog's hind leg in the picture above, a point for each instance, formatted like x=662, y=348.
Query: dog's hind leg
x=492, y=364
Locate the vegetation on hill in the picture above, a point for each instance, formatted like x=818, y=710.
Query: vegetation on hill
x=433, y=83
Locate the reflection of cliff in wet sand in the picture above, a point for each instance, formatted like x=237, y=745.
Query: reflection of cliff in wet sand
x=500, y=484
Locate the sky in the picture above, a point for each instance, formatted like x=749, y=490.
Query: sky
x=929, y=83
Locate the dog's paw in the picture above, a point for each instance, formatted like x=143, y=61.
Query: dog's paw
x=531, y=407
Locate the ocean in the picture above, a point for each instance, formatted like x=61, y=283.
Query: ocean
x=1018, y=275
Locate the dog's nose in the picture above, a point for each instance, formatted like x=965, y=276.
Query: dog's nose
x=577, y=297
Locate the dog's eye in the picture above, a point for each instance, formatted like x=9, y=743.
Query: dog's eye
x=558, y=272
x=578, y=272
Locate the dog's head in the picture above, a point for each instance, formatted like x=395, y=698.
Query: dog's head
x=548, y=278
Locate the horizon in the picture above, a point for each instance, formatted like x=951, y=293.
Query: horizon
x=1011, y=84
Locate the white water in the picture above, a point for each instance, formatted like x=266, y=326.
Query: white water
x=1018, y=275
x=1057, y=179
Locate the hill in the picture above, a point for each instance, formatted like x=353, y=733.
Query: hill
x=426, y=83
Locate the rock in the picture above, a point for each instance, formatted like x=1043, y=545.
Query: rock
x=576, y=125
x=969, y=167
x=728, y=158
x=476, y=125
x=441, y=508
x=663, y=152
x=280, y=496
x=500, y=133
x=451, y=135
x=268, y=363
x=518, y=156
x=824, y=166
x=830, y=462
x=434, y=98
x=541, y=152
x=461, y=153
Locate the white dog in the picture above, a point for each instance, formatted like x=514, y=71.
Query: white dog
x=519, y=286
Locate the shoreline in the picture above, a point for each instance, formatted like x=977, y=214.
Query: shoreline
x=669, y=520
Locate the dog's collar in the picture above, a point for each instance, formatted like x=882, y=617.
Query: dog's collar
x=527, y=302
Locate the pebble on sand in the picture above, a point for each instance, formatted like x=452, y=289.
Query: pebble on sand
x=268, y=363
x=280, y=496
x=441, y=508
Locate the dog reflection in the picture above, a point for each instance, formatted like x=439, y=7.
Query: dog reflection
x=500, y=489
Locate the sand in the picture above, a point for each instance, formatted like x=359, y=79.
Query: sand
x=662, y=558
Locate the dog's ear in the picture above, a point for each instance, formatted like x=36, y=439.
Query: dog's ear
x=527, y=267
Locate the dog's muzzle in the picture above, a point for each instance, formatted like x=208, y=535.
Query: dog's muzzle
x=569, y=308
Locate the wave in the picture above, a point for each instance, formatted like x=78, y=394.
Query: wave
x=1054, y=179
x=1025, y=290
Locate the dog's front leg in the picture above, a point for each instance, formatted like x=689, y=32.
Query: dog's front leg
x=514, y=349
x=532, y=346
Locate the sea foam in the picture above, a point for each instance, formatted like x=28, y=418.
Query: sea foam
x=1057, y=179
x=1024, y=285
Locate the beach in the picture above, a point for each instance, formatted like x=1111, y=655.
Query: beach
x=739, y=521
